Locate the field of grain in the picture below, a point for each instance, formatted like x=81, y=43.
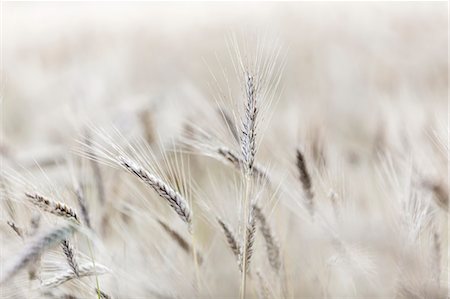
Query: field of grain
x=224, y=150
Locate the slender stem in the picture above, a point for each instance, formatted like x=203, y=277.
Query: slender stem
x=93, y=262
x=244, y=245
x=197, y=272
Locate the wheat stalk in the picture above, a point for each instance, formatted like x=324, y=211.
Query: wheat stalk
x=273, y=250
x=84, y=270
x=175, y=200
x=248, y=138
x=250, y=241
x=232, y=241
x=305, y=180
x=179, y=239
x=15, y=228
x=248, y=148
x=53, y=207
x=69, y=252
x=239, y=163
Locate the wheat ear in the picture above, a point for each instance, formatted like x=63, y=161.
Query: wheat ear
x=53, y=207
x=239, y=163
x=83, y=271
x=15, y=228
x=175, y=200
x=248, y=138
x=248, y=148
x=250, y=241
x=69, y=252
x=231, y=239
x=305, y=180
x=179, y=239
x=35, y=249
x=273, y=250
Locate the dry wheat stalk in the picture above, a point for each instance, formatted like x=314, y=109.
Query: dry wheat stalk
x=250, y=241
x=35, y=249
x=248, y=138
x=175, y=200
x=15, y=228
x=53, y=207
x=305, y=180
x=273, y=250
x=84, y=270
x=69, y=252
x=231, y=239
x=179, y=239
x=175, y=236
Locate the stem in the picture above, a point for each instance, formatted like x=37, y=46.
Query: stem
x=93, y=262
x=244, y=245
x=196, y=267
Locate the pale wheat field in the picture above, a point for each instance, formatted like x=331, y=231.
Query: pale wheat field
x=224, y=150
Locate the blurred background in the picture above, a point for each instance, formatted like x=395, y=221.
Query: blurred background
x=349, y=66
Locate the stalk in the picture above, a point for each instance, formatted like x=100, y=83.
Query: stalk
x=196, y=265
x=244, y=245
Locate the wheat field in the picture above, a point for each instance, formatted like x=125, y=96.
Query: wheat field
x=224, y=150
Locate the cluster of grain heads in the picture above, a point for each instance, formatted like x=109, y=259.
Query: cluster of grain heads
x=303, y=265
x=35, y=248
